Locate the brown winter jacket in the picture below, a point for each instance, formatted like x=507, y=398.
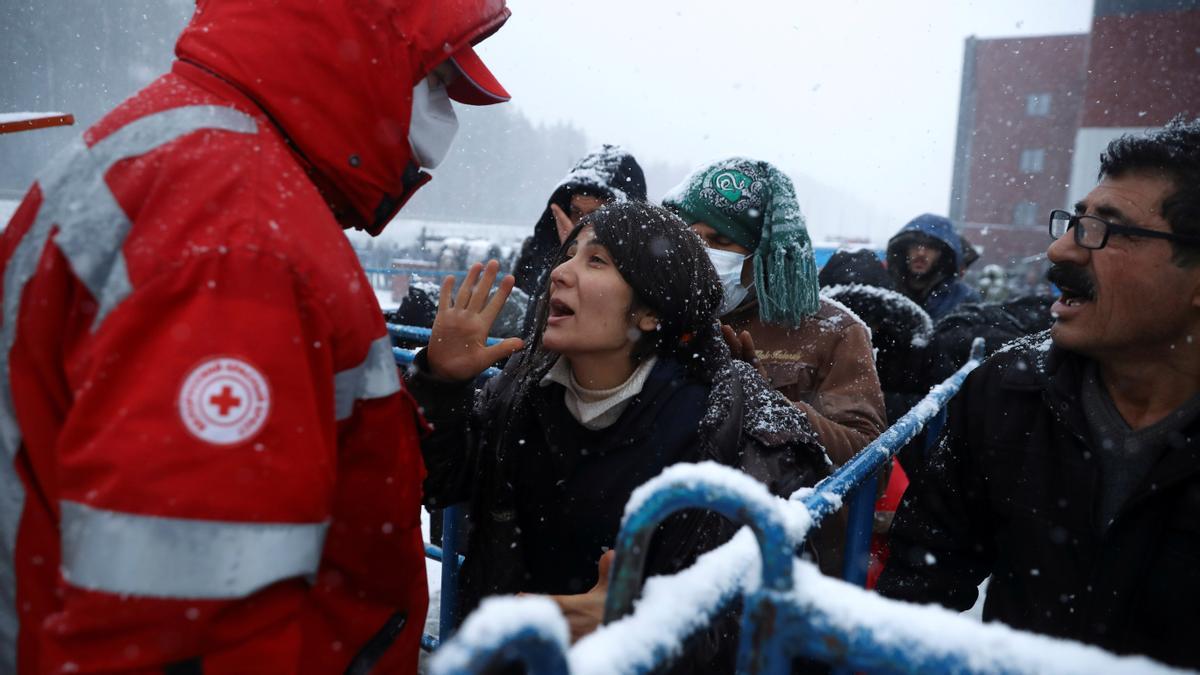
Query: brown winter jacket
x=827, y=368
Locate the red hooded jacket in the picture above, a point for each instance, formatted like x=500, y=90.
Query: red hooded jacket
x=207, y=458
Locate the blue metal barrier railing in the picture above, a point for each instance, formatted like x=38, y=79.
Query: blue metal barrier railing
x=419, y=335
x=452, y=516
x=786, y=614
x=861, y=474
x=775, y=628
x=762, y=648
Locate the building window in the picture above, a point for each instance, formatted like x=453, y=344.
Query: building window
x=1033, y=160
x=1025, y=213
x=1037, y=105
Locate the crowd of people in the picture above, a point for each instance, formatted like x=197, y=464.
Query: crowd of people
x=214, y=465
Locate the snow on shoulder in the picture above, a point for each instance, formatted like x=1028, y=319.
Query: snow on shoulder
x=905, y=309
x=497, y=621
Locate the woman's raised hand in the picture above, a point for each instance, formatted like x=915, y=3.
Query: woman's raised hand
x=458, y=348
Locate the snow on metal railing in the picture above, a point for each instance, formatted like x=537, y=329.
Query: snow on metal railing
x=810, y=614
x=838, y=622
x=818, y=617
x=635, y=642
x=489, y=638
x=827, y=497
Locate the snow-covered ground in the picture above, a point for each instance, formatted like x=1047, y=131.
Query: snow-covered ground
x=385, y=300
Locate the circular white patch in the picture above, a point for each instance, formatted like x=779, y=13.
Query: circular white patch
x=224, y=401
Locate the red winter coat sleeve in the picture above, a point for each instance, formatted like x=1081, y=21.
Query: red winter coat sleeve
x=195, y=470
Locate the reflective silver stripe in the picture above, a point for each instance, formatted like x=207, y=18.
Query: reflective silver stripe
x=375, y=377
x=92, y=243
x=91, y=231
x=158, y=557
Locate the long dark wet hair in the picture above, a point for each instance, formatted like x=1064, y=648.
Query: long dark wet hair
x=666, y=265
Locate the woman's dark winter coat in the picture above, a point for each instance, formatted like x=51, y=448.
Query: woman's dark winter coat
x=546, y=495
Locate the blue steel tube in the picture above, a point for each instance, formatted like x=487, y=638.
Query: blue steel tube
x=633, y=540
x=524, y=649
x=447, y=617
x=858, y=533
x=862, y=503
x=420, y=335
x=827, y=498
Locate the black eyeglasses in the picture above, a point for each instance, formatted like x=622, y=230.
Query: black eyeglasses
x=1092, y=232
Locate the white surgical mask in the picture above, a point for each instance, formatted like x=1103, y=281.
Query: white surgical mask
x=433, y=123
x=729, y=270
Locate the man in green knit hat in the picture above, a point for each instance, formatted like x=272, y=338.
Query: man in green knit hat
x=814, y=351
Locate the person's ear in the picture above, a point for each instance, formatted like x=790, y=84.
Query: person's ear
x=647, y=321
x=1195, y=287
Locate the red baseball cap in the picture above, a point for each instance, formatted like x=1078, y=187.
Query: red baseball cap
x=475, y=85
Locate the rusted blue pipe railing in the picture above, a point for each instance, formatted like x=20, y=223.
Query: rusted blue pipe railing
x=762, y=648
x=420, y=335
x=829, y=495
x=404, y=357
x=435, y=553
x=746, y=504
x=489, y=642
x=452, y=516
x=826, y=499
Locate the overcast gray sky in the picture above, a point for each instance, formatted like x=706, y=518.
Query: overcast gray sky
x=860, y=96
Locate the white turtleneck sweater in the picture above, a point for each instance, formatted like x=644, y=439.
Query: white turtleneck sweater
x=597, y=408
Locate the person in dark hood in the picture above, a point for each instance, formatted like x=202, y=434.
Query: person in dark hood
x=845, y=268
x=604, y=175
x=926, y=259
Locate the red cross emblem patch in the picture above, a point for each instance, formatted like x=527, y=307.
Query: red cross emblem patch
x=224, y=401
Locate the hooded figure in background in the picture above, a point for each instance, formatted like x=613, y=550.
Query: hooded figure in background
x=210, y=462
x=603, y=175
x=926, y=258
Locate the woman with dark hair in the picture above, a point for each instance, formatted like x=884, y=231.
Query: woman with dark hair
x=625, y=373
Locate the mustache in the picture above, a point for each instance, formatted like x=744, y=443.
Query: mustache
x=1072, y=278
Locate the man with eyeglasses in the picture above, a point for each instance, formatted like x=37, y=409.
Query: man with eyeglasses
x=1069, y=470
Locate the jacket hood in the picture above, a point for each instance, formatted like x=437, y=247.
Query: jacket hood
x=337, y=78
x=928, y=225
x=855, y=267
x=607, y=172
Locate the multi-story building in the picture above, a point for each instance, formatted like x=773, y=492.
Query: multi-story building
x=1035, y=114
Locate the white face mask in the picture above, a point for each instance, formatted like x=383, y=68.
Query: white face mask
x=433, y=123
x=729, y=270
